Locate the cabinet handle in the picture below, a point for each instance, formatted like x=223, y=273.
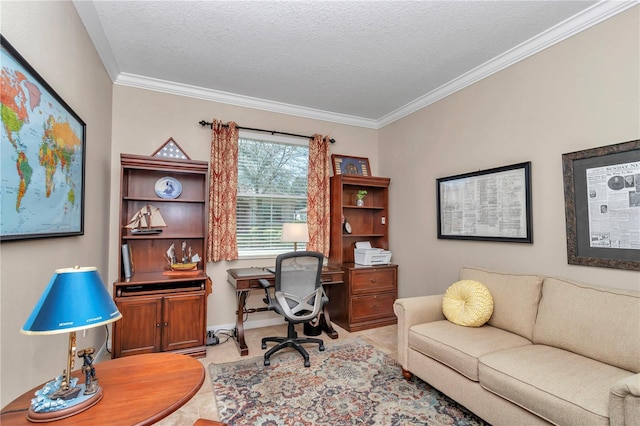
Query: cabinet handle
x=166, y=324
x=373, y=280
x=157, y=325
x=375, y=307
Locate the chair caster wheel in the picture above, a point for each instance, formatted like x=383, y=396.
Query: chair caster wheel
x=307, y=364
x=321, y=348
x=267, y=362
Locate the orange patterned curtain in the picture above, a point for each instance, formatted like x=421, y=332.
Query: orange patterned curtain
x=318, y=196
x=223, y=189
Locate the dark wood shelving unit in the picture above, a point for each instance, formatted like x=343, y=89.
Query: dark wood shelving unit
x=162, y=310
x=366, y=298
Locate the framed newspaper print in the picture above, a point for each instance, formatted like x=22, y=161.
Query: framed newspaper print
x=602, y=206
x=487, y=205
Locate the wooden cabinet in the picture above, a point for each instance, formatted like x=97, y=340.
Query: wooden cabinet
x=162, y=310
x=366, y=299
x=154, y=321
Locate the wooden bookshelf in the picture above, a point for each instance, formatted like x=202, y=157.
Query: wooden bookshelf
x=162, y=310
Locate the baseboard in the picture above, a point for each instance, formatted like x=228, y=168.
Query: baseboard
x=102, y=352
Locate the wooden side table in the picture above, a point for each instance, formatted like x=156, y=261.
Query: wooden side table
x=138, y=390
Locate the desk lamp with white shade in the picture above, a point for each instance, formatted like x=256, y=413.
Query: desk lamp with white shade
x=295, y=233
x=75, y=299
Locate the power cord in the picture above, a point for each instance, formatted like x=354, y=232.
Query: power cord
x=215, y=338
x=106, y=328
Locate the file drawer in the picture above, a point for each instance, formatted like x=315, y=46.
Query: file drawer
x=377, y=306
x=366, y=299
x=373, y=280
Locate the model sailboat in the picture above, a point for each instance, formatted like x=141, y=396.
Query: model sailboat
x=147, y=220
x=188, y=261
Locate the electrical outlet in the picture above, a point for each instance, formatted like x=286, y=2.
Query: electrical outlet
x=383, y=220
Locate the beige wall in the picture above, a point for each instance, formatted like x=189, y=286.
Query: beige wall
x=579, y=94
x=143, y=120
x=50, y=36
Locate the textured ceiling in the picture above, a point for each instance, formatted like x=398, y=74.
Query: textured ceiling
x=357, y=59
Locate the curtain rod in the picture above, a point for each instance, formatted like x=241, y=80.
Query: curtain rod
x=273, y=132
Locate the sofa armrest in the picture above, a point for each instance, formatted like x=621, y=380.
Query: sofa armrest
x=624, y=401
x=411, y=311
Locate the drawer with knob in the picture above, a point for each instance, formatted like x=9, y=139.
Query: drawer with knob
x=373, y=280
x=372, y=307
x=366, y=299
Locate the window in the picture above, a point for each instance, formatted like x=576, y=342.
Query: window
x=272, y=190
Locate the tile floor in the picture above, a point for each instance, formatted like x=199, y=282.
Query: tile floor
x=202, y=405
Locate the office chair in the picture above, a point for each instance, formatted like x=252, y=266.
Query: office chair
x=298, y=296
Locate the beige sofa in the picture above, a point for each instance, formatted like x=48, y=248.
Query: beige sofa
x=553, y=351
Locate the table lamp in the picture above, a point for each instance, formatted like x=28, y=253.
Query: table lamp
x=295, y=233
x=75, y=299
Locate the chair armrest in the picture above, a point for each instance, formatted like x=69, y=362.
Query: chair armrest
x=624, y=401
x=268, y=299
x=264, y=283
x=411, y=311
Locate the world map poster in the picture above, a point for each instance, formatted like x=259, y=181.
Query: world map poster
x=42, y=143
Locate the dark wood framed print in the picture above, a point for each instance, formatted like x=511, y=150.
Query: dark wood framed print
x=344, y=165
x=487, y=205
x=602, y=206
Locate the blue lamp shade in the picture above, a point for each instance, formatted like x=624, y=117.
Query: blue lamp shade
x=75, y=299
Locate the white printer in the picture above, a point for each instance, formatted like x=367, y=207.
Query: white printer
x=369, y=256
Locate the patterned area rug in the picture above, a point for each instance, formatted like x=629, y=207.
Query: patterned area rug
x=350, y=383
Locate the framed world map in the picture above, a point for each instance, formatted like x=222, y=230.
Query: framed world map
x=42, y=167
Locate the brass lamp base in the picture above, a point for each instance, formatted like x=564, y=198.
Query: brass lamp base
x=85, y=402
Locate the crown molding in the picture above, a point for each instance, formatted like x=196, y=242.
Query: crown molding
x=89, y=17
x=196, y=92
x=589, y=17
x=597, y=13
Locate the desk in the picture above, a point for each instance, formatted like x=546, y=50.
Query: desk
x=138, y=390
x=246, y=279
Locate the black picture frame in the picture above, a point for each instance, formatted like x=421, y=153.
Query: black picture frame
x=487, y=205
x=602, y=206
x=44, y=141
x=346, y=165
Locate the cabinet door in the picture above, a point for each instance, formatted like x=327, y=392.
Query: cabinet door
x=183, y=321
x=139, y=330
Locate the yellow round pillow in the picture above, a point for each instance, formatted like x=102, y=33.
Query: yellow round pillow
x=468, y=303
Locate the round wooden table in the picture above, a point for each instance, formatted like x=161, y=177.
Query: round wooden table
x=138, y=390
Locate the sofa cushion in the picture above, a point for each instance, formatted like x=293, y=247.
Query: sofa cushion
x=515, y=298
x=468, y=303
x=460, y=347
x=558, y=385
x=600, y=323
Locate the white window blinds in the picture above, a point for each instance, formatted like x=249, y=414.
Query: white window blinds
x=272, y=190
